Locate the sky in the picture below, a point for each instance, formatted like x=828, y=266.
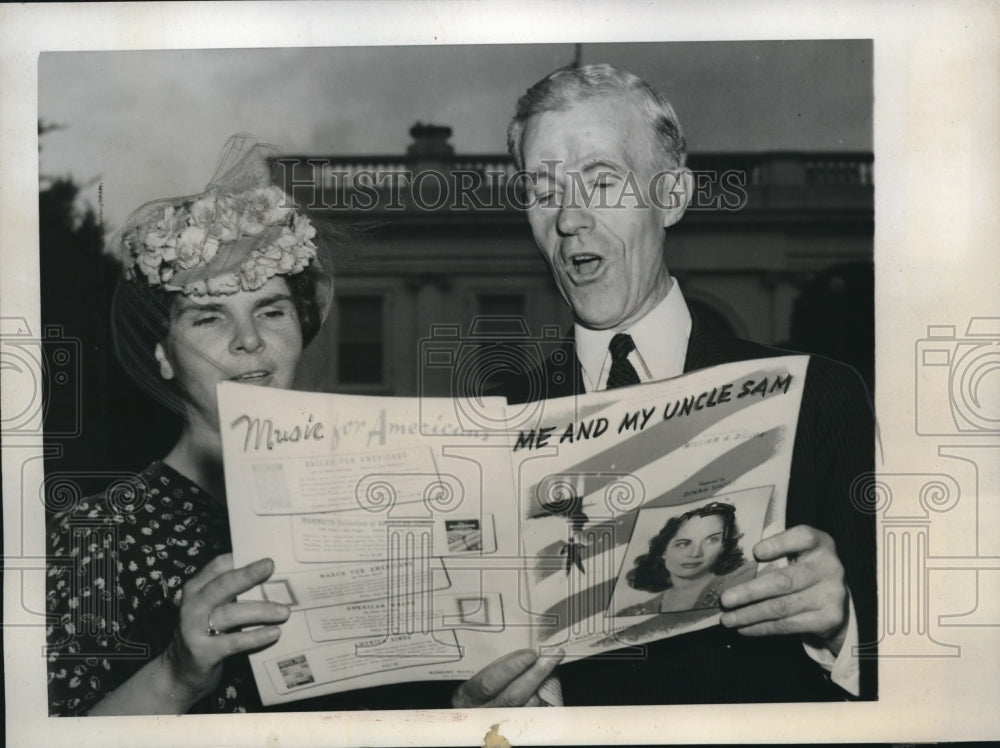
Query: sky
x=144, y=125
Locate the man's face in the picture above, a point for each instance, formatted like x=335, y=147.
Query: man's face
x=593, y=215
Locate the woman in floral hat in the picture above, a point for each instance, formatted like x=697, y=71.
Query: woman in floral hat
x=224, y=285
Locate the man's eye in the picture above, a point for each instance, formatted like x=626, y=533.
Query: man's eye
x=545, y=199
x=273, y=313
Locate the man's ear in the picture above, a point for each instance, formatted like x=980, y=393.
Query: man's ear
x=674, y=188
x=166, y=369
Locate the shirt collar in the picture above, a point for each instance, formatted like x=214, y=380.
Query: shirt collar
x=660, y=338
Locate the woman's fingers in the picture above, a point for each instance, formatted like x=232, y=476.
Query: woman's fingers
x=218, y=565
x=226, y=586
x=246, y=641
x=236, y=615
x=209, y=602
x=198, y=651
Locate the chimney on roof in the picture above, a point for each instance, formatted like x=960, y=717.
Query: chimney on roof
x=430, y=143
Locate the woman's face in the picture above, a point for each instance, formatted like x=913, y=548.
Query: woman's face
x=248, y=336
x=693, y=551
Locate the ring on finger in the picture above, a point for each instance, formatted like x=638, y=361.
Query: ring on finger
x=210, y=629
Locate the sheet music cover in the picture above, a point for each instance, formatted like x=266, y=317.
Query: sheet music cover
x=411, y=546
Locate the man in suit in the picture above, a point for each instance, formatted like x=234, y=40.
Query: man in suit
x=606, y=159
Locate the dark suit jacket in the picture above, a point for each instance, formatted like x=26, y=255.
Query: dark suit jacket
x=834, y=444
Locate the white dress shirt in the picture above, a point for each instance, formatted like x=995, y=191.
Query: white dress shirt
x=661, y=340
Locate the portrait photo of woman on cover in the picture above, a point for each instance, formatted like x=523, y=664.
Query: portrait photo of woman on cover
x=690, y=561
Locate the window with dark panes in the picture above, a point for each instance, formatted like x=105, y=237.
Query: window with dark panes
x=360, y=339
x=493, y=307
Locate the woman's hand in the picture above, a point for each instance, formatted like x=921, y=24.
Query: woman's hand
x=210, y=622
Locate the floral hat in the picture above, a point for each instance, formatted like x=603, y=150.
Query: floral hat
x=236, y=235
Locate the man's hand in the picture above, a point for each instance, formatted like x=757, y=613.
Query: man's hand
x=807, y=597
x=513, y=680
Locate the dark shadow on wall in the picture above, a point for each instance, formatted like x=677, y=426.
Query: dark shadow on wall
x=834, y=316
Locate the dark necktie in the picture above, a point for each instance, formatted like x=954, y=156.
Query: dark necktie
x=622, y=372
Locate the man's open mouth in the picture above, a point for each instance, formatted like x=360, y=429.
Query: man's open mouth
x=585, y=264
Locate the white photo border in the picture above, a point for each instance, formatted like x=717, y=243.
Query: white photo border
x=936, y=119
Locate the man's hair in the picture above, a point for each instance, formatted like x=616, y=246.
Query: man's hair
x=650, y=571
x=567, y=86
